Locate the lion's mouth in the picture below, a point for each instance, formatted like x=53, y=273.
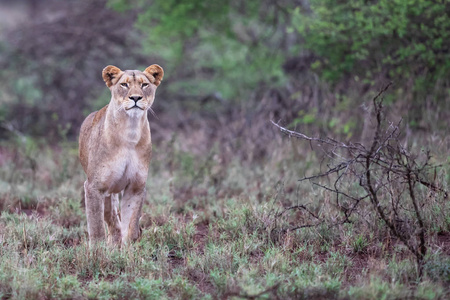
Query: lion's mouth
x=134, y=106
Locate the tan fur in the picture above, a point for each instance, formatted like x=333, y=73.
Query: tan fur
x=115, y=151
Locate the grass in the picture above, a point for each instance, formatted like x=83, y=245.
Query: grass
x=211, y=228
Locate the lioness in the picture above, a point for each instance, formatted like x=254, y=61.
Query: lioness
x=115, y=151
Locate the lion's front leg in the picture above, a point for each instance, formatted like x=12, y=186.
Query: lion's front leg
x=130, y=212
x=94, y=213
x=112, y=219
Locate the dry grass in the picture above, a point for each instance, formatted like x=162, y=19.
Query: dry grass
x=214, y=226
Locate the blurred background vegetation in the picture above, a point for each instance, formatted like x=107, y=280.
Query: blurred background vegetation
x=308, y=63
x=225, y=213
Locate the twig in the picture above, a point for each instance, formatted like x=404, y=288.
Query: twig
x=299, y=135
x=302, y=226
x=296, y=207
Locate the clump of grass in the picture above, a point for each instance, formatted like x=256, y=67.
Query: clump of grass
x=438, y=268
x=360, y=244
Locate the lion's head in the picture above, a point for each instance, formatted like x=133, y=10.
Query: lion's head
x=133, y=90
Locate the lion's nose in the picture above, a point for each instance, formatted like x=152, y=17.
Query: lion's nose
x=135, y=98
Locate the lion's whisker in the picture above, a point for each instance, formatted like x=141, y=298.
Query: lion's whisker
x=153, y=113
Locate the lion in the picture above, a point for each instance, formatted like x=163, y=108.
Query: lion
x=115, y=149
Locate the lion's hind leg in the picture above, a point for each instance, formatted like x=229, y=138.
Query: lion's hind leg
x=112, y=218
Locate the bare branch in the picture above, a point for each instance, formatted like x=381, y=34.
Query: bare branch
x=297, y=207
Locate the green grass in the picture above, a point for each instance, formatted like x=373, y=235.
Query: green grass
x=210, y=230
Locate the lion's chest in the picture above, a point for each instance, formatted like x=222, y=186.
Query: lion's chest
x=126, y=169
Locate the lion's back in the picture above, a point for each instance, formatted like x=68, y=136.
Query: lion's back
x=85, y=131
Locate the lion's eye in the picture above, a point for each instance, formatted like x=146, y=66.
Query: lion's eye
x=124, y=84
x=144, y=85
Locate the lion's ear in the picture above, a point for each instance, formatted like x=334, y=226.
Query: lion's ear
x=155, y=74
x=111, y=75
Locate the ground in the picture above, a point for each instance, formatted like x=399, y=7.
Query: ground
x=212, y=227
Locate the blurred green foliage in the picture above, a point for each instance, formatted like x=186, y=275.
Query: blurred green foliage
x=398, y=39
x=222, y=48
x=233, y=50
x=307, y=62
x=233, y=46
